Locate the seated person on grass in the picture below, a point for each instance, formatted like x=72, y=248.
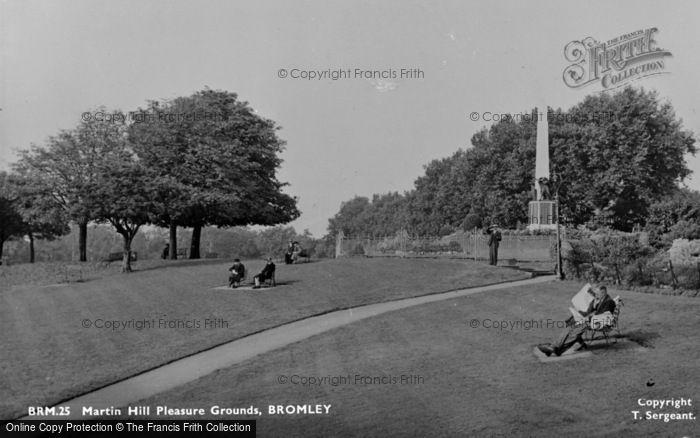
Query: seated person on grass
x=290, y=252
x=237, y=273
x=576, y=326
x=298, y=252
x=268, y=272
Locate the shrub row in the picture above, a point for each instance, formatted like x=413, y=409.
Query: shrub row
x=621, y=258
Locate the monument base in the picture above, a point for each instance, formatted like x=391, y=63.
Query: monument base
x=542, y=215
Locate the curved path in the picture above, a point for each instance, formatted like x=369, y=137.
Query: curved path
x=185, y=370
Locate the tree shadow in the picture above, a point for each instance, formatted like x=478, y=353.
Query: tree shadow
x=178, y=264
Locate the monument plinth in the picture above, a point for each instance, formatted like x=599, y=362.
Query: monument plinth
x=542, y=215
x=542, y=210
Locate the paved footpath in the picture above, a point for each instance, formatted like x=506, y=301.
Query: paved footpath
x=181, y=371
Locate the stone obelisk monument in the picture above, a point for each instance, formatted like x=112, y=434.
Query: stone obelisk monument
x=542, y=209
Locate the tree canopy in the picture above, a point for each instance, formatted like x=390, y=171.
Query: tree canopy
x=204, y=159
x=614, y=154
x=220, y=159
x=65, y=169
x=11, y=223
x=123, y=195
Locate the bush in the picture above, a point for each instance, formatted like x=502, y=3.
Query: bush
x=527, y=232
x=607, y=256
x=638, y=273
x=358, y=250
x=434, y=247
x=579, y=260
x=685, y=230
x=687, y=276
x=685, y=252
x=446, y=230
x=471, y=221
x=454, y=246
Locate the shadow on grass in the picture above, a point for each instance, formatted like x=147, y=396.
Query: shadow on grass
x=250, y=286
x=634, y=339
x=643, y=338
x=285, y=283
x=177, y=264
x=301, y=262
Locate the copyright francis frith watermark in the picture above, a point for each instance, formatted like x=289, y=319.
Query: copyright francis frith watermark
x=615, y=62
x=516, y=324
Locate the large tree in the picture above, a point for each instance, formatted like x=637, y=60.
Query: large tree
x=384, y=215
x=352, y=219
x=222, y=157
x=41, y=216
x=11, y=222
x=619, y=154
x=123, y=195
x=68, y=164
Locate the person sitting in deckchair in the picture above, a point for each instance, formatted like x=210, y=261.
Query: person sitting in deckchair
x=290, y=252
x=267, y=273
x=578, y=323
x=296, y=250
x=237, y=273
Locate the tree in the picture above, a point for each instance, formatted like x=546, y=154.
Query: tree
x=351, y=219
x=619, y=154
x=41, y=217
x=223, y=158
x=123, y=195
x=274, y=240
x=388, y=213
x=11, y=223
x=68, y=165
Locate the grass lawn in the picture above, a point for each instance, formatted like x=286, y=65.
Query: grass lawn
x=472, y=381
x=48, y=356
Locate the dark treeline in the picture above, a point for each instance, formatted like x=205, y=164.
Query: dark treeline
x=202, y=160
x=228, y=243
x=616, y=156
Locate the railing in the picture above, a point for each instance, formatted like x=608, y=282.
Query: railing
x=466, y=245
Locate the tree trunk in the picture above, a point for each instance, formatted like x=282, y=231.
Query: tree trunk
x=173, y=241
x=2, y=244
x=82, y=240
x=194, y=244
x=31, y=248
x=126, y=257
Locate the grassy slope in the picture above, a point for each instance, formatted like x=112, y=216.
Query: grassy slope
x=48, y=356
x=477, y=382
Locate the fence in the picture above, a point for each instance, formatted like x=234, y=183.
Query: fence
x=464, y=245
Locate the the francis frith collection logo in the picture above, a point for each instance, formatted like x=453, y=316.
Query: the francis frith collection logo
x=615, y=62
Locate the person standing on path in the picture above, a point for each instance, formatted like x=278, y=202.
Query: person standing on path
x=494, y=240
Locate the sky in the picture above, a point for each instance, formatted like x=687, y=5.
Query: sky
x=355, y=135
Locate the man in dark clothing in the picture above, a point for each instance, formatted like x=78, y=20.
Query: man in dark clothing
x=237, y=273
x=268, y=272
x=166, y=251
x=494, y=240
x=574, y=333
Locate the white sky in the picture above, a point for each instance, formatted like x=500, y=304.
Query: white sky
x=346, y=137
